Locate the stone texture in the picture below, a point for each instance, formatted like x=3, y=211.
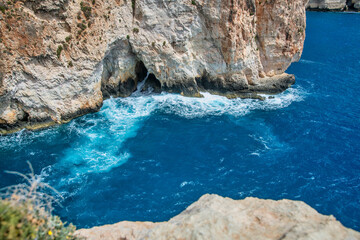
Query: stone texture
x=333, y=5
x=327, y=4
x=215, y=217
x=356, y=4
x=61, y=58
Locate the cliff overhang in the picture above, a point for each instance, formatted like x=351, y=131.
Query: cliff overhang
x=61, y=59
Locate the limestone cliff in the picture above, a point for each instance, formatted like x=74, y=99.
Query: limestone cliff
x=61, y=58
x=334, y=5
x=215, y=217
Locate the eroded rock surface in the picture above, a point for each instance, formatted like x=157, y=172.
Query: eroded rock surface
x=215, y=217
x=61, y=58
x=334, y=5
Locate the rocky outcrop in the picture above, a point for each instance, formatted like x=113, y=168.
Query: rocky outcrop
x=334, y=5
x=61, y=58
x=215, y=217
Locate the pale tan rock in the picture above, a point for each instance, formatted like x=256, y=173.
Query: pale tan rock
x=121, y=230
x=215, y=217
x=334, y=5
x=327, y=4
x=218, y=45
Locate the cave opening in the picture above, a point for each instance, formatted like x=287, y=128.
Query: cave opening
x=151, y=82
x=140, y=71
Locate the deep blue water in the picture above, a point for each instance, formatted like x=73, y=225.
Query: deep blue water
x=149, y=157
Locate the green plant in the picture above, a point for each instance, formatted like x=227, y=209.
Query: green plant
x=193, y=2
x=14, y=223
x=153, y=44
x=70, y=64
x=68, y=38
x=133, y=6
x=25, y=211
x=135, y=30
x=128, y=37
x=164, y=43
x=3, y=8
x=59, y=50
x=81, y=26
x=93, y=2
x=86, y=9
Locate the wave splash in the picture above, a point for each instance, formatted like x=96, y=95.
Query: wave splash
x=96, y=140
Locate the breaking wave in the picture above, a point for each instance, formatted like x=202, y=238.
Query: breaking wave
x=96, y=140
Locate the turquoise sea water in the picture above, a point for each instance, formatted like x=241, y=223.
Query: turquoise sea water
x=147, y=157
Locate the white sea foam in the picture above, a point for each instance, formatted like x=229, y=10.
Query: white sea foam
x=100, y=148
x=311, y=62
x=99, y=137
x=209, y=105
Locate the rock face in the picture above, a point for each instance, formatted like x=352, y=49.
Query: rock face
x=61, y=58
x=215, y=217
x=334, y=5
x=356, y=4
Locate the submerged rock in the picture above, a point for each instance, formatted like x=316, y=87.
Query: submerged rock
x=215, y=217
x=60, y=58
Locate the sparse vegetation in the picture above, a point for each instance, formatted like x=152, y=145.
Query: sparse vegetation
x=135, y=30
x=133, y=6
x=68, y=38
x=59, y=50
x=3, y=8
x=26, y=211
x=86, y=9
x=81, y=26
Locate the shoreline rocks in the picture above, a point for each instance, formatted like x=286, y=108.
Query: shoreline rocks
x=333, y=5
x=61, y=59
x=215, y=217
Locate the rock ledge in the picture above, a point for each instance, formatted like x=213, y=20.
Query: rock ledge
x=215, y=217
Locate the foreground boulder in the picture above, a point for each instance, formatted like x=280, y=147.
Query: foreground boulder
x=61, y=58
x=215, y=217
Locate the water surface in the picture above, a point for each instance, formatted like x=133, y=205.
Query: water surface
x=148, y=157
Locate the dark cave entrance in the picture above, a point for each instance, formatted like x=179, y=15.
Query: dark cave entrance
x=151, y=82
